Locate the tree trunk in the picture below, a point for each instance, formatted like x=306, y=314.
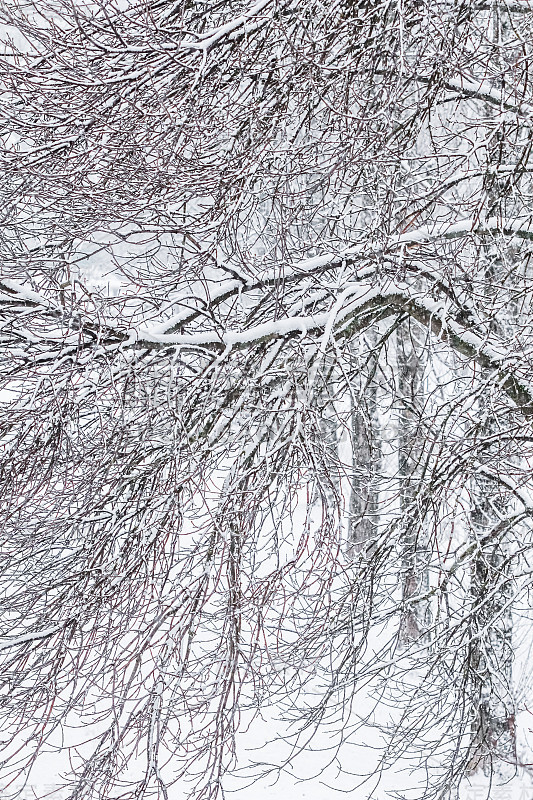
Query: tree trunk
x=491, y=652
x=491, y=656
x=414, y=551
x=366, y=462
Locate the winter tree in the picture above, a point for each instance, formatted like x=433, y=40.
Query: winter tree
x=267, y=383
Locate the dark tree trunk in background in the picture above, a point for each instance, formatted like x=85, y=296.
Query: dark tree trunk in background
x=414, y=553
x=491, y=647
x=366, y=462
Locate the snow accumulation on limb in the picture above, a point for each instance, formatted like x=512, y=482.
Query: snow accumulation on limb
x=359, y=303
x=210, y=38
x=16, y=641
x=468, y=88
x=521, y=229
x=15, y=292
x=293, y=273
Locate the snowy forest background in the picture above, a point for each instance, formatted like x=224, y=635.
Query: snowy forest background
x=266, y=399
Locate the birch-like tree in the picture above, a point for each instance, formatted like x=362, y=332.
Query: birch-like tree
x=218, y=222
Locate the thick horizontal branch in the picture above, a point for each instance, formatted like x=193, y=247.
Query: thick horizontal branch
x=212, y=37
x=358, y=305
x=292, y=273
x=363, y=305
x=24, y=638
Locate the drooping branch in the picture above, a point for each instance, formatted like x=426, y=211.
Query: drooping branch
x=358, y=305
